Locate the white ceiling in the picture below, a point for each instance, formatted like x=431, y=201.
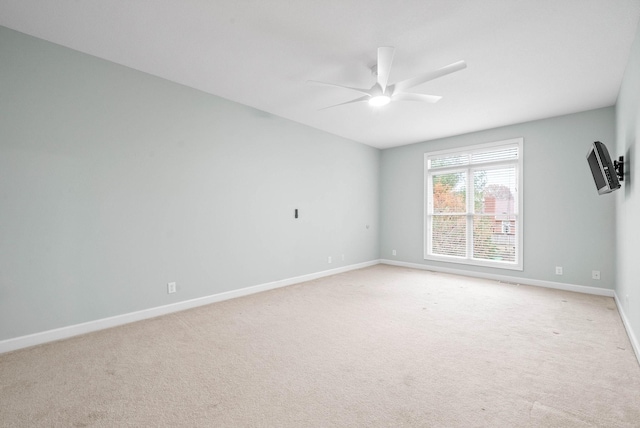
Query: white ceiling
x=527, y=59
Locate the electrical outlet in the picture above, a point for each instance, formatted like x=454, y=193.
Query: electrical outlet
x=595, y=274
x=393, y=252
x=558, y=270
x=171, y=287
x=329, y=259
x=343, y=257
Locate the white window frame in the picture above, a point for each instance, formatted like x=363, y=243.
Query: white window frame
x=428, y=205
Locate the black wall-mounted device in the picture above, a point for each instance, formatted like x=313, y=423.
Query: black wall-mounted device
x=607, y=174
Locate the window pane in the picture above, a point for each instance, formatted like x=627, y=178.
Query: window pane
x=510, y=153
x=449, y=192
x=494, y=238
x=495, y=191
x=448, y=235
x=448, y=160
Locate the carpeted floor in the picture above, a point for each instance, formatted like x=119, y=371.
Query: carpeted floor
x=378, y=347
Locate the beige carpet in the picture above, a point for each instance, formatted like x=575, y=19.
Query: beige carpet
x=378, y=347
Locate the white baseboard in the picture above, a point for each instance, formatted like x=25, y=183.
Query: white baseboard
x=104, y=323
x=506, y=278
x=632, y=337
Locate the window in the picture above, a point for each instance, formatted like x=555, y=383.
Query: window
x=473, y=202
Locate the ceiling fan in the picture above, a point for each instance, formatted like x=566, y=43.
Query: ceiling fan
x=381, y=93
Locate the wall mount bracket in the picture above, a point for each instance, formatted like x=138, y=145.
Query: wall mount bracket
x=619, y=166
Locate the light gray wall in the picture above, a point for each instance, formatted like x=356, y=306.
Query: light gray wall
x=628, y=198
x=114, y=182
x=566, y=223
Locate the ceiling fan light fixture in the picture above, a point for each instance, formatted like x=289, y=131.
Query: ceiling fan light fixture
x=379, y=100
x=381, y=93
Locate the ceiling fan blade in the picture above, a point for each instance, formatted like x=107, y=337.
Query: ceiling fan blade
x=405, y=96
x=385, y=58
x=357, y=100
x=361, y=90
x=415, y=81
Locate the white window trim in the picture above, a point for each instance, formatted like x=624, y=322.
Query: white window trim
x=519, y=229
